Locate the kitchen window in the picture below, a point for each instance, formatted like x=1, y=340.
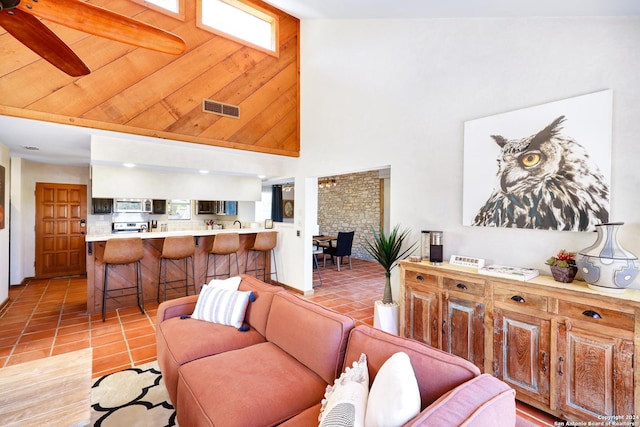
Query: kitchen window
x=240, y=21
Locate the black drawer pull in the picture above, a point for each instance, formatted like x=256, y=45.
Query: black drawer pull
x=421, y=278
x=592, y=314
x=461, y=286
x=518, y=298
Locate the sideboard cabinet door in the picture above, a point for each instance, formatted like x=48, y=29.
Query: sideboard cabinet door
x=421, y=316
x=463, y=329
x=522, y=352
x=595, y=374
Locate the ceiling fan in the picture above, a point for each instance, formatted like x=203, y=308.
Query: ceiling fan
x=20, y=19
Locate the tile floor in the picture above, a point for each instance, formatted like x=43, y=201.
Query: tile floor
x=48, y=317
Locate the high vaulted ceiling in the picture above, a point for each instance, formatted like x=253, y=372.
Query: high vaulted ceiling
x=426, y=9
x=70, y=144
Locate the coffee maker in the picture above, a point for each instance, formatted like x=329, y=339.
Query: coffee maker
x=436, y=251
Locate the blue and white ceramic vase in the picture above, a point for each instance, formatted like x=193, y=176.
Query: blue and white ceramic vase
x=605, y=265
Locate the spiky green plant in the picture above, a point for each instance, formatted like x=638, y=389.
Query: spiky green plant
x=388, y=250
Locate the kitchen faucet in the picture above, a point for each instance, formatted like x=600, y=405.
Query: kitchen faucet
x=239, y=223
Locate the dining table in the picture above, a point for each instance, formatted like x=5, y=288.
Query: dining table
x=322, y=240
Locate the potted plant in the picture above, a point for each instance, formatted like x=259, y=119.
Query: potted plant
x=563, y=266
x=388, y=249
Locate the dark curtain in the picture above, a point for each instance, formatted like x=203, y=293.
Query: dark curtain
x=276, y=203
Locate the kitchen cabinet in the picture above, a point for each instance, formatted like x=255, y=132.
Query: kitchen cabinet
x=217, y=207
x=100, y=206
x=565, y=348
x=159, y=207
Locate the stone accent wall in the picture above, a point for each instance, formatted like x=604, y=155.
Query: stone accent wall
x=353, y=204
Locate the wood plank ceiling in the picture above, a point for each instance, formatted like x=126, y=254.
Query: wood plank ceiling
x=138, y=91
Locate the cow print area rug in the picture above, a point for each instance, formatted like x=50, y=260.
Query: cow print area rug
x=132, y=397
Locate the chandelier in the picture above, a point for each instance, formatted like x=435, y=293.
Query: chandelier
x=326, y=183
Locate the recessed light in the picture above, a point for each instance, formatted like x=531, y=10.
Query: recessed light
x=262, y=176
x=203, y=171
x=129, y=165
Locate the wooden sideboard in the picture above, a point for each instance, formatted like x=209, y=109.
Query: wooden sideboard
x=565, y=348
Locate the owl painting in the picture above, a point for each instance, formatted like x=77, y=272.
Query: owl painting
x=545, y=181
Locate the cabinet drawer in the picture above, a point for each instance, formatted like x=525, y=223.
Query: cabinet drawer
x=422, y=278
x=597, y=315
x=516, y=299
x=464, y=286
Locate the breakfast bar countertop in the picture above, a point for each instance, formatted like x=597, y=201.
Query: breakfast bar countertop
x=163, y=234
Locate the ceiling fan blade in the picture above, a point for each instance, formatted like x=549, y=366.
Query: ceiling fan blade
x=40, y=39
x=102, y=22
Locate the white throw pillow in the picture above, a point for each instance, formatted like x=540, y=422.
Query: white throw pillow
x=222, y=306
x=345, y=402
x=394, y=397
x=232, y=283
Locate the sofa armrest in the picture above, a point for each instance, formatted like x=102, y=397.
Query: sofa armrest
x=176, y=308
x=482, y=401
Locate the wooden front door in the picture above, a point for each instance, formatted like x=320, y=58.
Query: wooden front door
x=61, y=212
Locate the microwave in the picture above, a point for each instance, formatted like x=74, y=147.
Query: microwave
x=132, y=205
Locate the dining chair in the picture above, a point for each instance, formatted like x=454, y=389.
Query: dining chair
x=317, y=250
x=342, y=249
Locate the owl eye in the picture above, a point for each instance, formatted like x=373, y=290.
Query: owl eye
x=530, y=159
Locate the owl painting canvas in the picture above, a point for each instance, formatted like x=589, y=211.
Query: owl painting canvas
x=553, y=177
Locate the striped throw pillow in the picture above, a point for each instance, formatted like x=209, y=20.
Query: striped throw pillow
x=222, y=306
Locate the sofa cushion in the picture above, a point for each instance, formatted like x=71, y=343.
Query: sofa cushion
x=345, y=402
x=180, y=341
x=483, y=401
x=260, y=385
x=231, y=283
x=394, y=397
x=314, y=335
x=306, y=418
x=258, y=310
x=437, y=372
x=222, y=306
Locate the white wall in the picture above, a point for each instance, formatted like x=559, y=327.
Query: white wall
x=25, y=176
x=118, y=181
x=5, y=161
x=397, y=92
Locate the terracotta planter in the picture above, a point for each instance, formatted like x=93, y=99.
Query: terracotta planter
x=564, y=274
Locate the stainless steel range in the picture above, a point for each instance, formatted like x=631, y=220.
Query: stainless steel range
x=130, y=227
x=130, y=222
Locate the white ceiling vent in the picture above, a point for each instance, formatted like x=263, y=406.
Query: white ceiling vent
x=215, y=107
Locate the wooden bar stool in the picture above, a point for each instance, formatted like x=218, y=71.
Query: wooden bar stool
x=265, y=242
x=223, y=244
x=175, y=248
x=121, y=252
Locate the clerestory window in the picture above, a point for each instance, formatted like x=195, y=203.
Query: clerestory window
x=241, y=22
x=173, y=8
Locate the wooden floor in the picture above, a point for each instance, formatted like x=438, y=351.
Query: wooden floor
x=48, y=317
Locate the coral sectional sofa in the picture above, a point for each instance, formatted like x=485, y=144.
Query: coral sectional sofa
x=275, y=370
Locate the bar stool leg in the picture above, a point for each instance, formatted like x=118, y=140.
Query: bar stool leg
x=104, y=292
x=237, y=265
x=141, y=288
x=159, y=277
